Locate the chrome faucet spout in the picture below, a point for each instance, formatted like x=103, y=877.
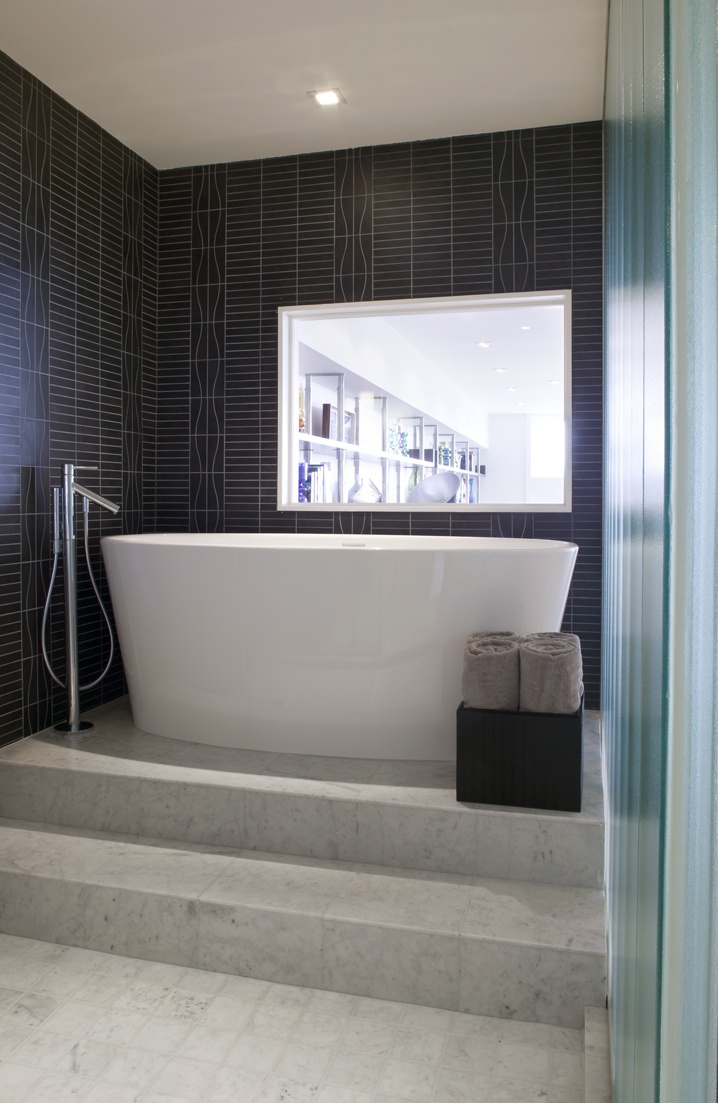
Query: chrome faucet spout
x=94, y=497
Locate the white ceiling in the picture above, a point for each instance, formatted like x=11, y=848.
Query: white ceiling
x=201, y=81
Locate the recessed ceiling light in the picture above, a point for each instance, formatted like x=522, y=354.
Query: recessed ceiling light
x=554, y=382
x=526, y=327
x=500, y=370
x=327, y=97
x=512, y=389
x=484, y=344
x=520, y=403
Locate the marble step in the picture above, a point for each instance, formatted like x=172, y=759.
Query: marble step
x=485, y=946
x=119, y=779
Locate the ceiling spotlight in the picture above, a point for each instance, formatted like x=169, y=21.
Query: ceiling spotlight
x=526, y=327
x=327, y=97
x=554, y=382
x=500, y=370
x=512, y=389
x=484, y=344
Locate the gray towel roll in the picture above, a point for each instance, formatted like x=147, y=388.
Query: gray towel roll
x=498, y=635
x=551, y=672
x=490, y=679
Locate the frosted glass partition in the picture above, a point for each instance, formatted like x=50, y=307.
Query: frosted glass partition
x=427, y=404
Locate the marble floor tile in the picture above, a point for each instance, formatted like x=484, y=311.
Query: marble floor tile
x=231, y=1085
x=418, y=1045
x=304, y=1062
x=522, y=1062
x=59, y=1087
x=161, y=1037
x=22, y=972
x=185, y=1077
x=478, y=1055
x=43, y=1049
x=316, y=1029
x=366, y=1036
x=228, y=1012
x=361, y=1071
x=457, y=1086
x=408, y=1080
x=17, y=1080
x=88, y=1058
x=286, y=1044
x=380, y=1011
x=135, y=1068
x=30, y=1009
x=256, y=1053
x=58, y=982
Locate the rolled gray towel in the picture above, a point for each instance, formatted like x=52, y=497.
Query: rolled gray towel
x=490, y=679
x=551, y=672
x=499, y=635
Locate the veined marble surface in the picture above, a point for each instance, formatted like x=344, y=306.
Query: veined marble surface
x=485, y=946
x=84, y=1025
x=119, y=779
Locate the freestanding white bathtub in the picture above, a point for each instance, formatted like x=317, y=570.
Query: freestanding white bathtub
x=323, y=645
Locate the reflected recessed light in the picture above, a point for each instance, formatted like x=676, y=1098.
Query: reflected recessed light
x=327, y=97
x=500, y=370
x=554, y=382
x=526, y=327
x=512, y=389
x=484, y=344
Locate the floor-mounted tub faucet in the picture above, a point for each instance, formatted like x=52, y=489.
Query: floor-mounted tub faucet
x=65, y=541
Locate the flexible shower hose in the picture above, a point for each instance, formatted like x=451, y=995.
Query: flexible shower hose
x=86, y=535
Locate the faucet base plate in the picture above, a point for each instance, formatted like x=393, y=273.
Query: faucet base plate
x=82, y=726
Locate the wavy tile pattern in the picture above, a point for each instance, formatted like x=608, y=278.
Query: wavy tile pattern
x=480, y=213
x=78, y=238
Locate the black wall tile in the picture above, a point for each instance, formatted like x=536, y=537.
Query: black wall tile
x=482, y=213
x=78, y=232
x=138, y=330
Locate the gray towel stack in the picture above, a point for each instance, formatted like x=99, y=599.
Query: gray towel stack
x=490, y=679
x=551, y=672
x=494, y=636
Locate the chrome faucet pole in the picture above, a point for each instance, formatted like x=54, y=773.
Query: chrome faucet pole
x=69, y=545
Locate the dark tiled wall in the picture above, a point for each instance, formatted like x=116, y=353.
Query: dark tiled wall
x=78, y=284
x=487, y=213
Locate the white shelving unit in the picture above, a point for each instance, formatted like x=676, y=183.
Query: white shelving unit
x=391, y=447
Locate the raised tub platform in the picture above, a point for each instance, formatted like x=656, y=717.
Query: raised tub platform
x=354, y=875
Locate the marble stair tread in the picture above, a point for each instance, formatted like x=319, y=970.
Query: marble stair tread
x=511, y=949
x=552, y=916
x=116, y=747
x=117, y=778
